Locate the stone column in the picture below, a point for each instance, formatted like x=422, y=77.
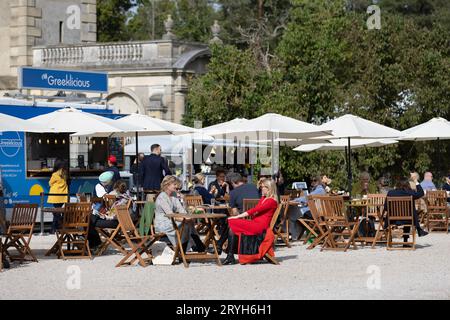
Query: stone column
x=23, y=32
x=179, y=106
x=89, y=21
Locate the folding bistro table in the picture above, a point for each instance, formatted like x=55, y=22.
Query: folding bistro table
x=210, y=221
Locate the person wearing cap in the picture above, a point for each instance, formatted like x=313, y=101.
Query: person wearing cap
x=112, y=166
x=97, y=218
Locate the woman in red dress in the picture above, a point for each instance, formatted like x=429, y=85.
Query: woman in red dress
x=261, y=217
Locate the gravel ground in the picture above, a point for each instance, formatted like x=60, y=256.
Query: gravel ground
x=302, y=275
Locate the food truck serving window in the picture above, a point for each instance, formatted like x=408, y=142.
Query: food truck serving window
x=86, y=156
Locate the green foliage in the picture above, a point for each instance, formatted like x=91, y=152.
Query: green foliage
x=192, y=19
x=312, y=60
x=327, y=64
x=112, y=16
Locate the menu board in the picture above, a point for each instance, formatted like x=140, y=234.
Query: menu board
x=116, y=147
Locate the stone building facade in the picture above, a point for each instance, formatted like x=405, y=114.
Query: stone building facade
x=28, y=23
x=148, y=77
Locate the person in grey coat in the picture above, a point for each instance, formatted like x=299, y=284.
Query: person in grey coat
x=167, y=203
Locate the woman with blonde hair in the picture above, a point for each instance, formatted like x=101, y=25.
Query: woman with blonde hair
x=261, y=217
x=168, y=203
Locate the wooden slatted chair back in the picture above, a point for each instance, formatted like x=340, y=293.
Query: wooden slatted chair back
x=76, y=215
x=436, y=200
x=312, y=205
x=275, y=216
x=125, y=221
x=317, y=199
x=332, y=207
x=437, y=211
x=194, y=201
x=375, y=204
x=249, y=204
x=285, y=199
x=400, y=208
x=23, y=216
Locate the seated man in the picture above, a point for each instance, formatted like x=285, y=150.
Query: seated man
x=427, y=183
x=240, y=192
x=364, y=186
x=403, y=189
x=295, y=213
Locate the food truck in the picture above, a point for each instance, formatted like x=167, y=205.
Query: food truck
x=27, y=159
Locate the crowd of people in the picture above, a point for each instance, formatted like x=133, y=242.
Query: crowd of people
x=154, y=174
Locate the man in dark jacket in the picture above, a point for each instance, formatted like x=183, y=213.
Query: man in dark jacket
x=153, y=169
x=403, y=189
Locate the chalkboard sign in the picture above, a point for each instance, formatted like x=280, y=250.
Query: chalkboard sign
x=116, y=147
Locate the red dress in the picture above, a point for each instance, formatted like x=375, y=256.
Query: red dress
x=261, y=216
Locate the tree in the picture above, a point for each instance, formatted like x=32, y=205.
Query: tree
x=327, y=64
x=192, y=19
x=112, y=18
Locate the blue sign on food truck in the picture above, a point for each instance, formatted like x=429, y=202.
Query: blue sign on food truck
x=15, y=155
x=67, y=80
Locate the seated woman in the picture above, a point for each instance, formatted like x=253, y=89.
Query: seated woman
x=120, y=190
x=261, y=217
x=199, y=188
x=101, y=217
x=297, y=229
x=123, y=196
x=168, y=203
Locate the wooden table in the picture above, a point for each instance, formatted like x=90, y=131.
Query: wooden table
x=212, y=208
x=361, y=207
x=53, y=210
x=211, y=221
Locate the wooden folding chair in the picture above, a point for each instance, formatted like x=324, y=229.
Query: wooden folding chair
x=400, y=209
x=272, y=225
x=315, y=227
x=139, y=245
x=437, y=211
x=284, y=221
x=375, y=210
x=318, y=228
x=20, y=232
x=341, y=231
x=196, y=201
x=74, y=232
x=112, y=236
x=421, y=208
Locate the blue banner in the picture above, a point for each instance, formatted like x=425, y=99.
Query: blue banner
x=66, y=80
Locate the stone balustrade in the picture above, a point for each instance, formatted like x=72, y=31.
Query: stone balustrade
x=156, y=54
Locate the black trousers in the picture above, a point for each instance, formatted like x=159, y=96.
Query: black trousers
x=57, y=218
x=97, y=222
